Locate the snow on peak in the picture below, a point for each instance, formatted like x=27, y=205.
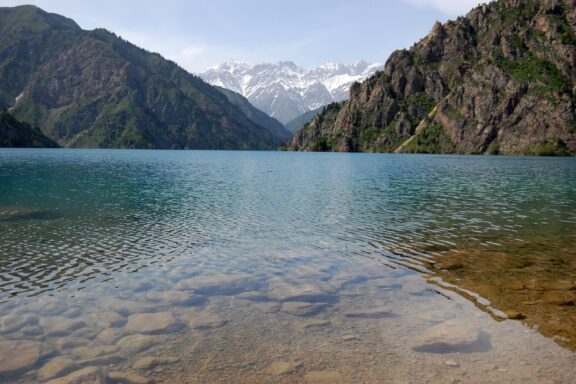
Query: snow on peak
x=285, y=90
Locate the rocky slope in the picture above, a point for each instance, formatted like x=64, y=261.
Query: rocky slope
x=15, y=134
x=285, y=90
x=500, y=80
x=93, y=89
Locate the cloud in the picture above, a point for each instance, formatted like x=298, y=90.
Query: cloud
x=449, y=7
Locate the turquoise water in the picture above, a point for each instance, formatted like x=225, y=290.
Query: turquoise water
x=80, y=226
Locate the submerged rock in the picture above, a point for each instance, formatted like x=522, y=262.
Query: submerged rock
x=112, y=318
x=203, y=320
x=71, y=342
x=95, y=351
x=160, y=322
x=302, y=308
x=219, y=284
x=110, y=335
x=281, y=291
x=449, y=336
x=514, y=315
x=125, y=307
x=314, y=323
x=17, y=356
x=57, y=367
x=60, y=326
x=175, y=297
x=268, y=307
x=279, y=368
x=129, y=378
x=558, y=297
x=15, y=322
x=138, y=343
x=88, y=375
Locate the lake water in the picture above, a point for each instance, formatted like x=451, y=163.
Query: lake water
x=264, y=267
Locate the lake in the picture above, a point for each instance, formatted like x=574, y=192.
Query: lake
x=276, y=267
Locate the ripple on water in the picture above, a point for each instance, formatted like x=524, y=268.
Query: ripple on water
x=204, y=266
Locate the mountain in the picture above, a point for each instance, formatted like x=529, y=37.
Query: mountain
x=256, y=115
x=284, y=90
x=15, y=134
x=500, y=80
x=93, y=89
x=299, y=122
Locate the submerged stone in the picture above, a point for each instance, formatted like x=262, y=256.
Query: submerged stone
x=57, y=367
x=129, y=378
x=302, y=308
x=125, y=307
x=88, y=375
x=219, y=284
x=565, y=298
x=160, y=322
x=175, y=297
x=279, y=368
x=268, y=307
x=203, y=320
x=110, y=335
x=60, y=326
x=138, y=343
x=17, y=356
x=449, y=336
x=281, y=291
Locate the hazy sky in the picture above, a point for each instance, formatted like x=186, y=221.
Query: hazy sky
x=198, y=34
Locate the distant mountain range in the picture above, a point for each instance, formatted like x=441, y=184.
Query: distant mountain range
x=94, y=89
x=285, y=90
x=502, y=79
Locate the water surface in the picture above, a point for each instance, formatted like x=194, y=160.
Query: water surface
x=287, y=267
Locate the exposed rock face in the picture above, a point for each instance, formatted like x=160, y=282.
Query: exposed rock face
x=500, y=80
x=93, y=89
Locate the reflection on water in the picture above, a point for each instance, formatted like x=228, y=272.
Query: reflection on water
x=200, y=267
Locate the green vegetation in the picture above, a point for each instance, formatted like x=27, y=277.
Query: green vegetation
x=550, y=147
x=16, y=134
x=302, y=120
x=123, y=97
x=431, y=139
x=533, y=70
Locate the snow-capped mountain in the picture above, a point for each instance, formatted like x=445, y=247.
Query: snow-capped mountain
x=285, y=90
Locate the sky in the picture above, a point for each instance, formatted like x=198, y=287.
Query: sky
x=199, y=34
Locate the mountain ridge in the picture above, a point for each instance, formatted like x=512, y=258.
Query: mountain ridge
x=284, y=90
x=502, y=79
x=94, y=89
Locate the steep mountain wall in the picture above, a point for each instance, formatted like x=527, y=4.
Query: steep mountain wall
x=93, y=89
x=500, y=80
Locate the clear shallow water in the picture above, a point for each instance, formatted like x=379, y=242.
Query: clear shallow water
x=223, y=244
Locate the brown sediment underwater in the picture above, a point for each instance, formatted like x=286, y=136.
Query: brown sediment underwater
x=533, y=281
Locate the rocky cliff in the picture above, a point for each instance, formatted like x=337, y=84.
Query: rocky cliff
x=500, y=80
x=93, y=89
